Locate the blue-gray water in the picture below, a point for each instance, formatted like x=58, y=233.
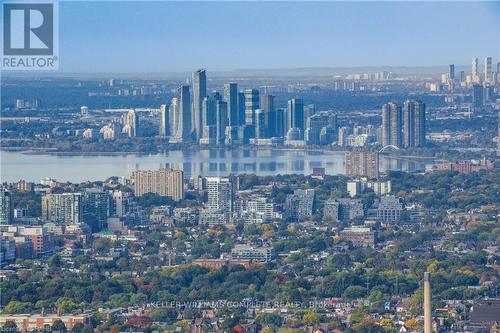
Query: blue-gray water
x=212, y=162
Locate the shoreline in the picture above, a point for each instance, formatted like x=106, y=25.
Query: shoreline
x=55, y=152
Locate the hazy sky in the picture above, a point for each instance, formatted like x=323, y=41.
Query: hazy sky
x=180, y=36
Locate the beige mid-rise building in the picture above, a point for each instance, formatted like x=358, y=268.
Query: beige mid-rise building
x=362, y=163
x=164, y=182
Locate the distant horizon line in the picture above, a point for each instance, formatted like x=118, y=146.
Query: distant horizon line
x=345, y=70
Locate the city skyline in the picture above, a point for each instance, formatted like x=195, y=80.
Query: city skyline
x=158, y=188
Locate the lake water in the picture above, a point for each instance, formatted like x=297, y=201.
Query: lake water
x=209, y=162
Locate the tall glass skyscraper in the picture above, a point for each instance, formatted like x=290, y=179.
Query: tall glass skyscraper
x=221, y=120
x=451, y=72
x=164, y=121
x=241, y=108
x=199, y=92
x=413, y=124
x=488, y=69
x=296, y=114
x=269, y=115
x=261, y=129
x=184, y=114
x=477, y=96
x=231, y=98
x=475, y=70
x=252, y=103
x=391, y=125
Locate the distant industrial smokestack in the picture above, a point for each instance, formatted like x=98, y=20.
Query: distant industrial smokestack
x=427, y=304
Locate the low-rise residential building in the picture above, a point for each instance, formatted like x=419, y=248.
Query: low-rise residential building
x=218, y=263
x=32, y=322
x=42, y=240
x=380, y=187
x=159, y=213
x=253, y=253
x=484, y=316
x=390, y=208
x=254, y=209
x=300, y=204
x=7, y=250
x=185, y=214
x=464, y=166
x=358, y=186
x=213, y=217
x=116, y=224
x=343, y=209
x=359, y=236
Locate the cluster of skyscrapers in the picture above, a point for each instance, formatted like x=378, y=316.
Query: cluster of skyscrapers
x=476, y=77
x=232, y=116
x=489, y=76
x=481, y=82
x=403, y=127
x=237, y=117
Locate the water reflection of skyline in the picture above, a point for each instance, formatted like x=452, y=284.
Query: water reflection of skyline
x=213, y=162
x=261, y=162
x=193, y=169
